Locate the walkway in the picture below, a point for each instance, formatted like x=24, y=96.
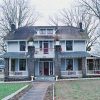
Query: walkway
x=37, y=92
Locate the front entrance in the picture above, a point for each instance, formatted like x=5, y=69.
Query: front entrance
x=46, y=68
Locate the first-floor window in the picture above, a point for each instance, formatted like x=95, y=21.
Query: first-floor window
x=22, y=64
x=13, y=62
x=69, y=64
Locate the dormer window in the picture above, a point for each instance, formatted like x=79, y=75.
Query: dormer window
x=22, y=45
x=42, y=31
x=49, y=31
x=46, y=31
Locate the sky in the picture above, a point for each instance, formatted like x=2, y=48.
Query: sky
x=47, y=8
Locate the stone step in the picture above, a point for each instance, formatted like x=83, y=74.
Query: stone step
x=44, y=78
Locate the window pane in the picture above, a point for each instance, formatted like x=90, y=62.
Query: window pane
x=69, y=65
x=22, y=45
x=68, y=45
x=49, y=31
x=13, y=64
x=22, y=64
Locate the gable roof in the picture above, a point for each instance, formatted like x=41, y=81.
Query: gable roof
x=64, y=32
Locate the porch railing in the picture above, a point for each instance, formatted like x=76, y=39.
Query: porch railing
x=71, y=73
x=1, y=74
x=18, y=73
x=93, y=72
x=44, y=50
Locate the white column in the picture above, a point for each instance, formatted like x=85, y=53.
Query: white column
x=9, y=64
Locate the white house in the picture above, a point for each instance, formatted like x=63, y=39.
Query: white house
x=46, y=51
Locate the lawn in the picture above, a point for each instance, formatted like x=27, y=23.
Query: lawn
x=77, y=90
x=8, y=88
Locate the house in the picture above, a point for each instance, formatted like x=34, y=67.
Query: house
x=45, y=51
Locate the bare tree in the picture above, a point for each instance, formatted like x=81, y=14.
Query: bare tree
x=15, y=12
x=93, y=7
x=74, y=16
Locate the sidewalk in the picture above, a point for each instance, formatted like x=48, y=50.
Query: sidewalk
x=37, y=92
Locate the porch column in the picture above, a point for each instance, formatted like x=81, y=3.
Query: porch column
x=30, y=61
x=57, y=61
x=6, y=69
x=84, y=67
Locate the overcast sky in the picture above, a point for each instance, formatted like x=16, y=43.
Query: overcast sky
x=49, y=8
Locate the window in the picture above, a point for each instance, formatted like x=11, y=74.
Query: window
x=69, y=45
x=49, y=31
x=13, y=61
x=22, y=64
x=22, y=45
x=69, y=63
x=42, y=31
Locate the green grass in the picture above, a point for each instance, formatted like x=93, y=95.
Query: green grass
x=8, y=88
x=78, y=90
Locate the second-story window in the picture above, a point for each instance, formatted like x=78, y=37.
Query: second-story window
x=49, y=31
x=69, y=45
x=22, y=45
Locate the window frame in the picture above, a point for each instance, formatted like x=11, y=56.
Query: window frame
x=23, y=64
x=68, y=44
x=20, y=46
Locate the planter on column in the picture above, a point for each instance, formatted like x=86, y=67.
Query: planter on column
x=30, y=61
x=57, y=61
x=84, y=67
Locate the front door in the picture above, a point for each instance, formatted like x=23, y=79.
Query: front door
x=46, y=68
x=45, y=47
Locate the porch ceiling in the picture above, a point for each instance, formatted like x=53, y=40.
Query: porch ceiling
x=15, y=55
x=78, y=54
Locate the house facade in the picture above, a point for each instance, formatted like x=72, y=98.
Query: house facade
x=41, y=51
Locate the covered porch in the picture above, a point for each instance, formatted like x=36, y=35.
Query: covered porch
x=73, y=64
x=93, y=66
x=16, y=65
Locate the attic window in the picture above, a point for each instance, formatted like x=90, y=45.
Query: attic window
x=49, y=31
x=42, y=31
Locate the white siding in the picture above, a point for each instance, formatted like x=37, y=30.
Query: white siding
x=79, y=46
x=13, y=47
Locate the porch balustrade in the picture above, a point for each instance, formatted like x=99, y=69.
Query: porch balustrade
x=93, y=72
x=44, y=50
x=18, y=73
x=71, y=73
x=1, y=74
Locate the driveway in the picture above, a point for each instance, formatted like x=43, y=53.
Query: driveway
x=37, y=92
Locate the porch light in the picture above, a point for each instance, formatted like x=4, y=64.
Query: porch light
x=30, y=42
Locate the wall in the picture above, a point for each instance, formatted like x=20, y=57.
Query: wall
x=79, y=46
x=13, y=47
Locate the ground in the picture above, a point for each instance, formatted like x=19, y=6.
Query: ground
x=8, y=88
x=77, y=90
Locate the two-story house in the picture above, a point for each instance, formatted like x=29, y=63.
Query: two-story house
x=45, y=51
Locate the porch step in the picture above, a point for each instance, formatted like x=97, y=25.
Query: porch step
x=45, y=78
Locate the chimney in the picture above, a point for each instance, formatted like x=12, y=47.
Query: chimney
x=13, y=27
x=80, y=26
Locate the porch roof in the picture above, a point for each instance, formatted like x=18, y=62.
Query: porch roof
x=78, y=54
x=15, y=55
